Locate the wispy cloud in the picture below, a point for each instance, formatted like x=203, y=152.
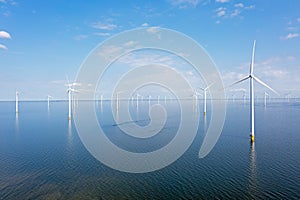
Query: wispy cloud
x=153, y=30
x=235, y=13
x=81, y=37
x=145, y=24
x=102, y=34
x=5, y=6
x=104, y=26
x=3, y=47
x=239, y=5
x=4, y=34
x=231, y=11
x=221, y=11
x=298, y=19
x=139, y=60
x=290, y=36
x=222, y=1
x=182, y=4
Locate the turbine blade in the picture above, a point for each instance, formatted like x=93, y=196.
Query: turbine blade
x=209, y=85
x=264, y=84
x=243, y=79
x=252, y=58
x=73, y=90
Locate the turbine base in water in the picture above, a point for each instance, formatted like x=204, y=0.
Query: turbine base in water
x=252, y=138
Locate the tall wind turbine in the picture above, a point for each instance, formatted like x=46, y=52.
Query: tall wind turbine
x=17, y=102
x=69, y=91
x=252, y=77
x=205, y=91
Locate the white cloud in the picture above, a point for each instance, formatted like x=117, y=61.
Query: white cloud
x=3, y=47
x=185, y=3
x=2, y=1
x=232, y=11
x=298, y=19
x=239, y=5
x=154, y=29
x=250, y=7
x=109, y=51
x=222, y=1
x=291, y=36
x=221, y=11
x=144, y=59
x=145, y=24
x=80, y=37
x=130, y=44
x=291, y=28
x=235, y=13
x=4, y=34
x=104, y=26
x=59, y=82
x=102, y=34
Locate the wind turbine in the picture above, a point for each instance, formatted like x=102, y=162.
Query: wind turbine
x=118, y=99
x=195, y=95
x=205, y=91
x=252, y=77
x=48, y=99
x=265, y=98
x=17, y=102
x=288, y=96
x=149, y=100
x=69, y=91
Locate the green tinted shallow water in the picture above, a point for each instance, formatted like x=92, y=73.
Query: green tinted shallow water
x=42, y=157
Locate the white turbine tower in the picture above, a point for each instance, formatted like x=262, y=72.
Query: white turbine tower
x=48, y=100
x=195, y=95
x=149, y=100
x=252, y=77
x=205, y=92
x=265, y=98
x=69, y=91
x=17, y=102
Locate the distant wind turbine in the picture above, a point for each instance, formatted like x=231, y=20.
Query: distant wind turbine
x=252, y=77
x=195, y=95
x=265, y=98
x=48, y=99
x=69, y=91
x=205, y=91
x=17, y=102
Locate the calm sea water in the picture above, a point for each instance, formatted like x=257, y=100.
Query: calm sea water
x=42, y=157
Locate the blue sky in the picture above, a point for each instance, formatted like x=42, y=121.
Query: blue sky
x=43, y=41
